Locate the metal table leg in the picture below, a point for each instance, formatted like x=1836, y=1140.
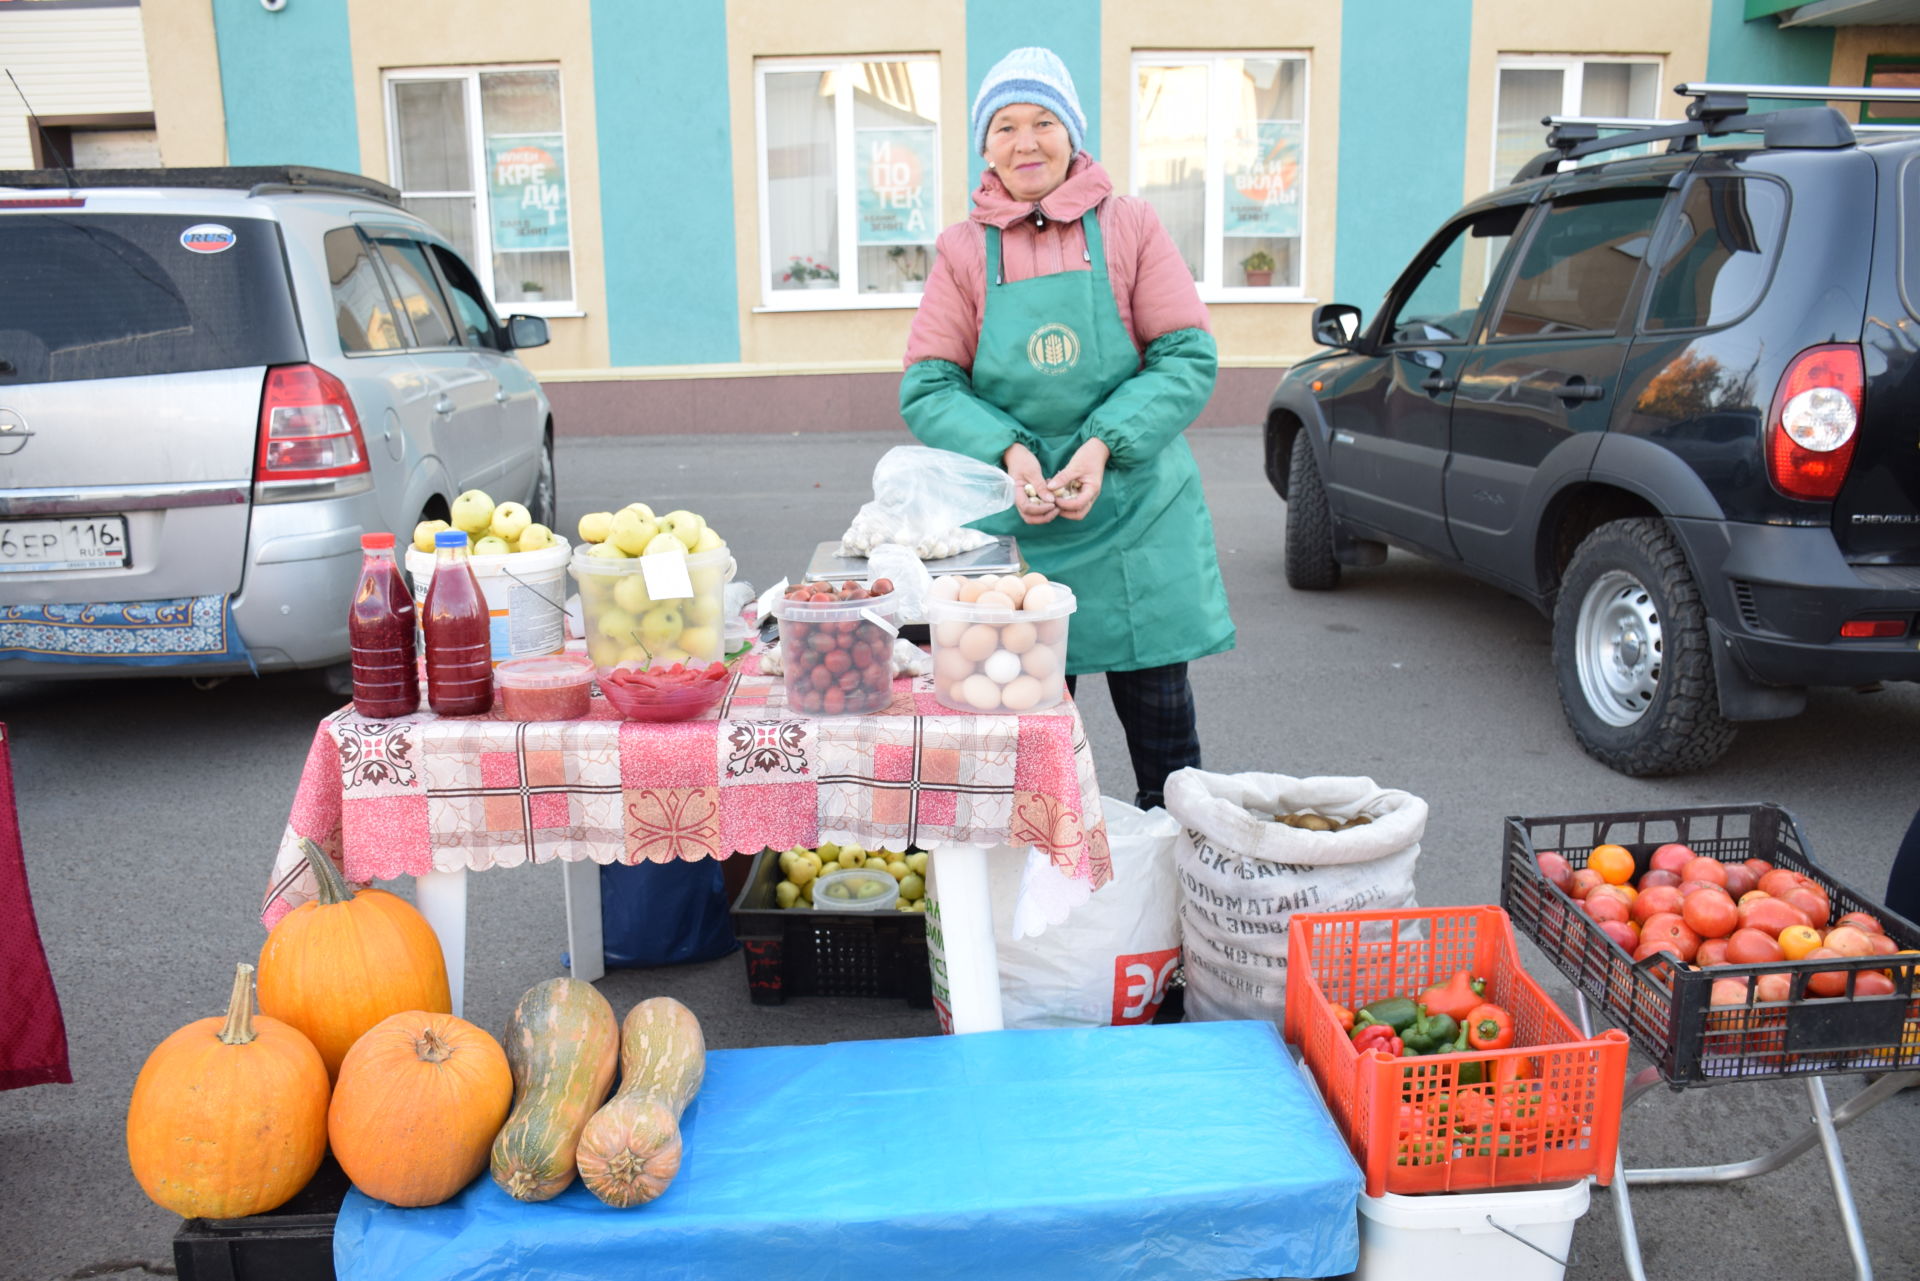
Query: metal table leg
x=1622, y=1202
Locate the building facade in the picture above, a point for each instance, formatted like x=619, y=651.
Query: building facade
x=726, y=208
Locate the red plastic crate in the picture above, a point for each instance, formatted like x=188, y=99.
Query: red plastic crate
x=1549, y=1110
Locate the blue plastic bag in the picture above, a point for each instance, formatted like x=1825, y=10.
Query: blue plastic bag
x=664, y=914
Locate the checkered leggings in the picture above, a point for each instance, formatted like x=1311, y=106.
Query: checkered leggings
x=1155, y=706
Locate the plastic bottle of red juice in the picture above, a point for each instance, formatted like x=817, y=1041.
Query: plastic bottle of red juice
x=459, y=645
x=385, y=680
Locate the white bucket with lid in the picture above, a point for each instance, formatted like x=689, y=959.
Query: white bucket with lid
x=526, y=595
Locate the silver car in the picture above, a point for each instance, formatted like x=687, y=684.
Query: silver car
x=212, y=382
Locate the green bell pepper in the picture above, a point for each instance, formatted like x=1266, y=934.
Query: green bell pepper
x=1471, y=1073
x=1431, y=1033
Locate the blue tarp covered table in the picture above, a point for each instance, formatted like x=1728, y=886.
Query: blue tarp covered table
x=1182, y=1152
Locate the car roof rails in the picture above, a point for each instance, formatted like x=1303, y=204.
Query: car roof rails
x=1718, y=110
x=255, y=180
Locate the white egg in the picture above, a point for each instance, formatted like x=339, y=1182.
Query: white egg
x=1018, y=637
x=1040, y=598
x=1001, y=667
x=1041, y=661
x=946, y=587
x=978, y=641
x=1021, y=693
x=981, y=693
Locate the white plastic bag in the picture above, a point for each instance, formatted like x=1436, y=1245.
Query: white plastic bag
x=908, y=573
x=923, y=498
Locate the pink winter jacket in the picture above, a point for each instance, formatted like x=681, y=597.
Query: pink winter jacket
x=1151, y=282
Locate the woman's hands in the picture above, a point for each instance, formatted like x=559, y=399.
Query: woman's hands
x=1078, y=483
x=1035, y=501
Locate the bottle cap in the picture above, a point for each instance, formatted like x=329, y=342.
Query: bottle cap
x=450, y=538
x=377, y=542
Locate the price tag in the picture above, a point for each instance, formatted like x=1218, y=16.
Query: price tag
x=884, y=624
x=666, y=575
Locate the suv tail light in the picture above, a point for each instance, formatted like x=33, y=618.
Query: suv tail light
x=309, y=433
x=1814, y=421
x=1873, y=628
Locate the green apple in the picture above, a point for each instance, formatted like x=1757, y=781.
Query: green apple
x=661, y=626
x=603, y=650
x=631, y=593
x=703, y=610
x=594, y=527
x=646, y=512
x=616, y=625
x=535, y=538
x=491, y=545
x=510, y=520
x=664, y=542
x=864, y=888
x=806, y=892
x=473, y=512
x=912, y=886
x=672, y=654
x=711, y=581
x=917, y=862
x=786, y=893
x=423, y=533
x=685, y=526
x=828, y=852
x=804, y=869
x=898, y=869
x=701, y=640
x=786, y=859
x=853, y=856
x=632, y=531
x=608, y=550
x=634, y=655
x=709, y=541
x=875, y=863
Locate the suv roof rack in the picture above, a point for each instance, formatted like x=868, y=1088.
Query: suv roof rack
x=1718, y=110
x=253, y=179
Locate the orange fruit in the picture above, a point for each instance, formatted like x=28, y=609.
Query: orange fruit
x=1613, y=862
x=1798, y=940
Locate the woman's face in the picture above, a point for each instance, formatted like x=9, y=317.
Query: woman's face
x=1029, y=148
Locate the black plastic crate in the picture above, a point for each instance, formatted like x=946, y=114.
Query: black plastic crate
x=1664, y=1008
x=803, y=951
x=292, y=1243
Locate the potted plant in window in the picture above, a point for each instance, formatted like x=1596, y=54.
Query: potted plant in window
x=1258, y=266
x=809, y=274
x=910, y=266
x=532, y=291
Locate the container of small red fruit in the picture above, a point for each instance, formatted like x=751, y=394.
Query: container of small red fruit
x=1715, y=940
x=836, y=646
x=664, y=692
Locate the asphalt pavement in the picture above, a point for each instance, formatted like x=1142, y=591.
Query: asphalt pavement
x=151, y=810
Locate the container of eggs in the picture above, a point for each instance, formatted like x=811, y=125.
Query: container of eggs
x=999, y=643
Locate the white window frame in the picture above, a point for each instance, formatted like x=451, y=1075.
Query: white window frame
x=1213, y=255
x=477, y=160
x=1571, y=86
x=846, y=296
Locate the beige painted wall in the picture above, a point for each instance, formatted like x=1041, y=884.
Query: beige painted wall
x=1673, y=30
x=183, y=65
x=445, y=33
x=1248, y=333
x=1852, y=45
x=857, y=338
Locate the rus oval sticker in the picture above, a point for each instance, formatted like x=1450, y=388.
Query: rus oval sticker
x=208, y=238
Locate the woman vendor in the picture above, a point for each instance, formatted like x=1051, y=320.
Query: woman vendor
x=1060, y=337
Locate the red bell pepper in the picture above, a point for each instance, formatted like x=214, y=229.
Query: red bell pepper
x=1377, y=1036
x=1456, y=997
x=1488, y=1028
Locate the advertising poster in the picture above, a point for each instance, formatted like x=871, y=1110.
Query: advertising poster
x=1263, y=180
x=896, y=190
x=527, y=191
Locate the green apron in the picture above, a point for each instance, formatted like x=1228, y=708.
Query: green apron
x=1142, y=563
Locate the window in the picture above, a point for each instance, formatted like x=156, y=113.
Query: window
x=482, y=156
x=1443, y=300
x=362, y=312
x=420, y=298
x=849, y=179
x=1220, y=148
x=1531, y=88
x=1891, y=71
x=1579, y=265
x=478, y=328
x=1723, y=241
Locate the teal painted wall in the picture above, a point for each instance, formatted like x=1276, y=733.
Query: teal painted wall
x=666, y=181
x=1403, y=142
x=1759, y=52
x=1071, y=28
x=287, y=79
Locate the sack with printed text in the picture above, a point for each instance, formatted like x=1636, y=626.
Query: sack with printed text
x=1243, y=873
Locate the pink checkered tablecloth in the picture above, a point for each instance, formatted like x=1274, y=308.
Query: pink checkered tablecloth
x=420, y=793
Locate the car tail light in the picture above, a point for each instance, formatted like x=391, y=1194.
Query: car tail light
x=1815, y=420
x=1873, y=628
x=308, y=428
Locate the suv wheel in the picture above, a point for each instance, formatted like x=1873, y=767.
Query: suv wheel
x=1630, y=651
x=1310, y=563
x=542, y=502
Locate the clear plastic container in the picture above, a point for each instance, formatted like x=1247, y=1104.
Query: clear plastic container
x=838, y=661
x=867, y=890
x=626, y=625
x=994, y=659
x=548, y=687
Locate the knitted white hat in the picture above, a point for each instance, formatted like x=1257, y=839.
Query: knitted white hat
x=1032, y=75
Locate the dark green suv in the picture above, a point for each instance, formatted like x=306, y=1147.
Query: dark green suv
x=1673, y=400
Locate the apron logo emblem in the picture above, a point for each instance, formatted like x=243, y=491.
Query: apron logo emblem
x=1053, y=349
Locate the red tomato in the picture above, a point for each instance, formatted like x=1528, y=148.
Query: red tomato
x=1657, y=947
x=1555, y=869
x=1779, y=881
x=1658, y=876
x=1704, y=869
x=1826, y=982
x=1625, y=933
x=1873, y=983
x=1712, y=952
x=1863, y=921
x=1882, y=945
x=1771, y=915
x=1773, y=987
x=1710, y=914
x=1668, y=927
x=1584, y=880
x=1810, y=901
x=1740, y=879
x=1671, y=858
x=1751, y=947
x=1604, y=907
x=1728, y=992
x=1751, y=894
x=1758, y=866
x=1848, y=941
x=1660, y=898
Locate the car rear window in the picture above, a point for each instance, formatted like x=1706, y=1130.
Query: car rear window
x=86, y=296
x=1722, y=245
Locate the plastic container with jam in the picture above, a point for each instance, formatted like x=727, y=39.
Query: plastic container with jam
x=545, y=687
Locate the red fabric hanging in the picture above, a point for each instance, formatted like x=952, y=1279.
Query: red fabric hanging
x=33, y=1038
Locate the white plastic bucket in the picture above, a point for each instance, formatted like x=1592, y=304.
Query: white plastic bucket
x=1522, y=1235
x=526, y=595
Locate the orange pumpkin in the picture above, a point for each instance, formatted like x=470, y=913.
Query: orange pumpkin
x=229, y=1114
x=338, y=964
x=417, y=1104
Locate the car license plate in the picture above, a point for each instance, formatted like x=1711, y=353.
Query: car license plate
x=75, y=542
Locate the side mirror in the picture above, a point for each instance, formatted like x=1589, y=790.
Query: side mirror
x=1336, y=324
x=526, y=331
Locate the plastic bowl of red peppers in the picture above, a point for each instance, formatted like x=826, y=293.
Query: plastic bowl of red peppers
x=836, y=645
x=667, y=692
